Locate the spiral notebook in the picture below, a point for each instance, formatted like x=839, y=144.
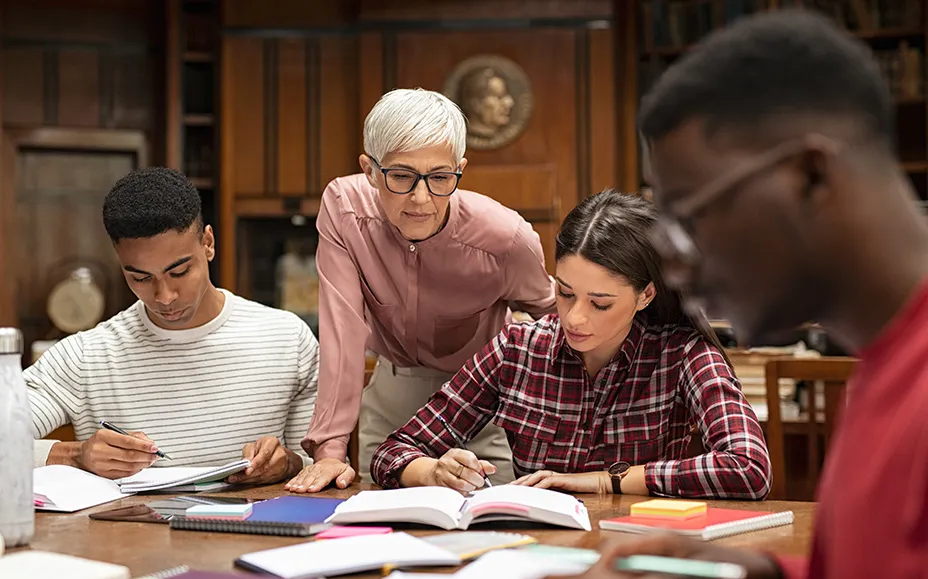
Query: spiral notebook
x=284, y=516
x=715, y=524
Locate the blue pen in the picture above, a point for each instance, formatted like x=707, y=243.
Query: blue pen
x=115, y=428
x=460, y=444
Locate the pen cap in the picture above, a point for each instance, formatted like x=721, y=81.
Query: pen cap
x=11, y=341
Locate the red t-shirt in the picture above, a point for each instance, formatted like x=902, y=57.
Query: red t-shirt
x=873, y=496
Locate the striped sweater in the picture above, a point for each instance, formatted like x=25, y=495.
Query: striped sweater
x=201, y=394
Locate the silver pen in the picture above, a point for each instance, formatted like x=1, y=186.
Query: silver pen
x=461, y=445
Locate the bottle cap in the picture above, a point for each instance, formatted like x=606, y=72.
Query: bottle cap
x=11, y=341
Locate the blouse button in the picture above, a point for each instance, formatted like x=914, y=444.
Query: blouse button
x=412, y=247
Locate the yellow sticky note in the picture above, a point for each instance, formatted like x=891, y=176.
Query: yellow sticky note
x=669, y=509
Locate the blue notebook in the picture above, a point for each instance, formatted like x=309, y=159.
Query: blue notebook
x=287, y=516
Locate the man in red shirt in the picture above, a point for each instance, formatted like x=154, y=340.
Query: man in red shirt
x=771, y=156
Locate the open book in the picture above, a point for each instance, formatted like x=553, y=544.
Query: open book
x=179, y=478
x=448, y=509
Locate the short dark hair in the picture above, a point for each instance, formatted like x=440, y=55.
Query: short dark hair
x=151, y=201
x=767, y=65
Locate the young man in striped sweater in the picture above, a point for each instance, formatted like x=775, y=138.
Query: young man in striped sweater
x=195, y=371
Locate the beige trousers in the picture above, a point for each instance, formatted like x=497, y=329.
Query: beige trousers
x=391, y=398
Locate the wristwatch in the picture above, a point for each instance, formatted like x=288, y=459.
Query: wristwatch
x=618, y=471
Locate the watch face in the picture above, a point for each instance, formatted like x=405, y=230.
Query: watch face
x=619, y=468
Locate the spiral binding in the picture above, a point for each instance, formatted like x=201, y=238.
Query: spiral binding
x=167, y=573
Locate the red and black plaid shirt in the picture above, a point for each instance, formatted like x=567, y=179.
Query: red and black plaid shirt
x=639, y=408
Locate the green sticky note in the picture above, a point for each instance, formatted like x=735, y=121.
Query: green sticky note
x=582, y=556
x=681, y=567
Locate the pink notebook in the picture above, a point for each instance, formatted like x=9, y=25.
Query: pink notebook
x=716, y=523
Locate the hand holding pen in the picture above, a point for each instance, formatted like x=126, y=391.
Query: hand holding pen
x=114, y=428
x=112, y=452
x=463, y=464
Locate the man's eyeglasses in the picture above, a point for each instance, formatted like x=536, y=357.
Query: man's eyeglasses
x=403, y=181
x=673, y=239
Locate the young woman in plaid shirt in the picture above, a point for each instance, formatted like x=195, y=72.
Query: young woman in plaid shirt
x=602, y=397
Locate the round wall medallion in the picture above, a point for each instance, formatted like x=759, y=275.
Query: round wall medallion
x=495, y=95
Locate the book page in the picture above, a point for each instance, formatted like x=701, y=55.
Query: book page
x=541, y=505
x=412, y=505
x=542, y=499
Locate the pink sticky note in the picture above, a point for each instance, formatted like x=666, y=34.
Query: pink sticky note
x=340, y=532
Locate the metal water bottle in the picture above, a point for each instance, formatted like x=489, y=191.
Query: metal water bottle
x=17, y=513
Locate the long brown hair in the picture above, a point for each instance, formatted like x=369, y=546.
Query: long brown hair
x=611, y=229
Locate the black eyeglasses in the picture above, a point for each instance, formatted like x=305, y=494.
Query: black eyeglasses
x=671, y=236
x=403, y=181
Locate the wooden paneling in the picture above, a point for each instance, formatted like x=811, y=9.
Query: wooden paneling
x=371, y=79
x=293, y=105
x=7, y=230
x=432, y=10
x=128, y=91
x=79, y=79
x=80, y=63
x=339, y=139
x=269, y=14
x=625, y=27
x=7, y=304
x=80, y=21
x=291, y=81
x=173, y=138
x=23, y=100
x=530, y=188
x=225, y=244
x=602, y=84
x=243, y=100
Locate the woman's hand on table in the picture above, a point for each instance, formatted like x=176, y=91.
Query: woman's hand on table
x=320, y=474
x=581, y=482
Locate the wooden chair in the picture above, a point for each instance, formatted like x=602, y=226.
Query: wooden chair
x=819, y=422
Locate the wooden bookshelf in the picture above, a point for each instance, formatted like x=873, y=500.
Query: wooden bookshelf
x=896, y=30
x=192, y=103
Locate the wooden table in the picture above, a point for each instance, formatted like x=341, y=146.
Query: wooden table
x=148, y=547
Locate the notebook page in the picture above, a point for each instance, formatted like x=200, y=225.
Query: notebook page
x=72, y=489
x=153, y=478
x=349, y=555
x=45, y=564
